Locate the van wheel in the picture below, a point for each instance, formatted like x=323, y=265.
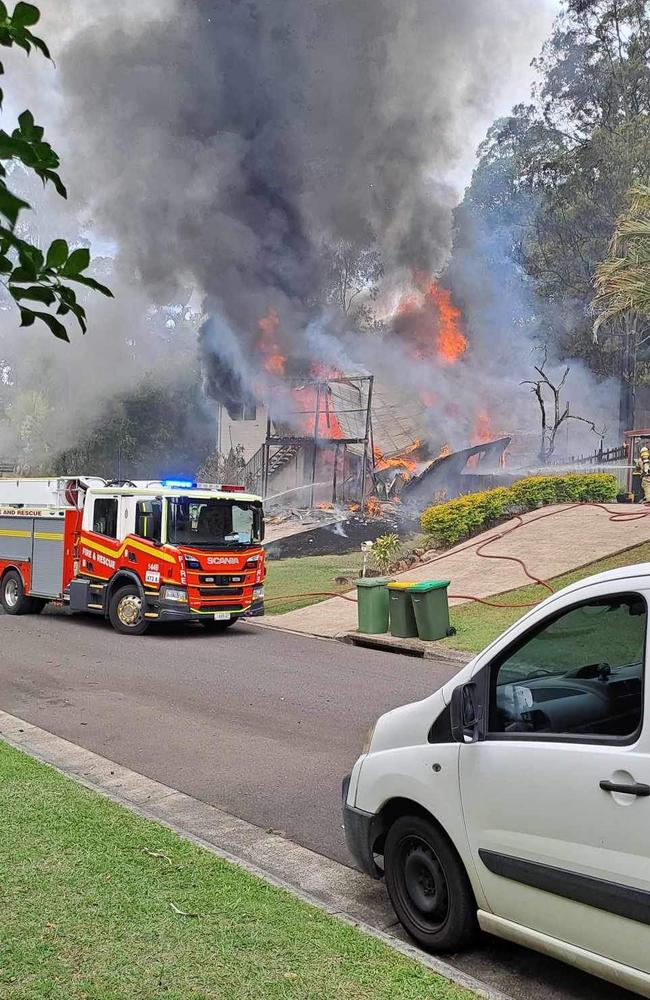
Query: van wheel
x=13, y=597
x=126, y=611
x=428, y=885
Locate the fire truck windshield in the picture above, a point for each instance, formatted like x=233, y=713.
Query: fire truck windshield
x=213, y=523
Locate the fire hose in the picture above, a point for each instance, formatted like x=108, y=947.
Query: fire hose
x=614, y=516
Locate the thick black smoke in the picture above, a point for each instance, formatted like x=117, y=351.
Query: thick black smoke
x=225, y=142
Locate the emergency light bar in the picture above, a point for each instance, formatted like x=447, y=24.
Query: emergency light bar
x=180, y=484
x=225, y=488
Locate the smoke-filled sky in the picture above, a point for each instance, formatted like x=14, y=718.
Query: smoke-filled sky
x=219, y=146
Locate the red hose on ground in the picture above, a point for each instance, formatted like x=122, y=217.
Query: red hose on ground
x=317, y=593
x=614, y=516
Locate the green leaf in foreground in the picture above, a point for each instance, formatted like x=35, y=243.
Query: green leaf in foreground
x=57, y=254
x=25, y=15
x=55, y=325
x=77, y=262
x=91, y=283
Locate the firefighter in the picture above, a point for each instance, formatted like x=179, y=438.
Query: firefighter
x=642, y=469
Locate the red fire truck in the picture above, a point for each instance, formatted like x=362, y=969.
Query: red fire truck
x=135, y=553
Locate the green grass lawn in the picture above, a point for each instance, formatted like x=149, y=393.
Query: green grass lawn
x=308, y=574
x=477, y=625
x=90, y=896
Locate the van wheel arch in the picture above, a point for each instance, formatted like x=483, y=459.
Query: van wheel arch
x=393, y=810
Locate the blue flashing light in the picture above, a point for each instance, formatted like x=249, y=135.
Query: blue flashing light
x=179, y=484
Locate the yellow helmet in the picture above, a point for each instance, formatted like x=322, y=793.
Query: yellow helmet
x=644, y=453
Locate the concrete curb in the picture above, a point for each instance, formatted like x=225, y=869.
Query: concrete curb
x=408, y=647
x=386, y=643
x=291, y=631
x=317, y=880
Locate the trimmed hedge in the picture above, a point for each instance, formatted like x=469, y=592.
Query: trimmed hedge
x=454, y=520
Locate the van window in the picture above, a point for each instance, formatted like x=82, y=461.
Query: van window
x=148, y=519
x=105, y=516
x=579, y=673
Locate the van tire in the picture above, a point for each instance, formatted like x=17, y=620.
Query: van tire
x=13, y=597
x=428, y=885
x=123, y=605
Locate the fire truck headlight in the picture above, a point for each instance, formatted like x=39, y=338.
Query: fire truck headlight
x=192, y=563
x=258, y=593
x=174, y=594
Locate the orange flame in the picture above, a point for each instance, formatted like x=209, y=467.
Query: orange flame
x=451, y=342
x=320, y=370
x=373, y=507
x=444, y=451
x=407, y=465
x=431, y=321
x=482, y=432
x=312, y=409
x=274, y=361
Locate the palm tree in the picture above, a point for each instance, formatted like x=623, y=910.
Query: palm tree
x=622, y=300
x=622, y=279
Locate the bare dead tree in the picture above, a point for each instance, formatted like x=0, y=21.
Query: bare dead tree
x=559, y=411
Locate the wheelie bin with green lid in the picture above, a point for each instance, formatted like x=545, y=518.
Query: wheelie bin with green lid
x=372, y=608
x=402, y=618
x=431, y=608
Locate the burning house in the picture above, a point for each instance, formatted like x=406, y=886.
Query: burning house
x=319, y=433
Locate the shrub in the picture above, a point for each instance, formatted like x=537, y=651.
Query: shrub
x=454, y=520
x=384, y=551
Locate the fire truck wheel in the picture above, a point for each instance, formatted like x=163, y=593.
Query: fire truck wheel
x=125, y=611
x=13, y=598
x=212, y=626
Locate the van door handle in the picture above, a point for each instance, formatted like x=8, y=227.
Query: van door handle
x=633, y=788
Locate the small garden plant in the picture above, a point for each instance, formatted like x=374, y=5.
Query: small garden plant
x=385, y=550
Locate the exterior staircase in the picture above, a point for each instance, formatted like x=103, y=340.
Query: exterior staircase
x=254, y=468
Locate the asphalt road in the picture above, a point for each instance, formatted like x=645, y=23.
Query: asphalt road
x=261, y=724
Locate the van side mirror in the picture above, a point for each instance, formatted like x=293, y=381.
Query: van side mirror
x=466, y=714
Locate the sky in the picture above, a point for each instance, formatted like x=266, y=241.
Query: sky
x=515, y=89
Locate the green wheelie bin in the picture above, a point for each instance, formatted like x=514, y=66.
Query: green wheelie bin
x=402, y=618
x=372, y=608
x=431, y=608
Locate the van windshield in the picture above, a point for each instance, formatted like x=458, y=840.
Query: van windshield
x=213, y=524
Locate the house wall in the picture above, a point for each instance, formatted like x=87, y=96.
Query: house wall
x=249, y=433
x=298, y=472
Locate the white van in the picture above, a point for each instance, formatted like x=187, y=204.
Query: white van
x=517, y=798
